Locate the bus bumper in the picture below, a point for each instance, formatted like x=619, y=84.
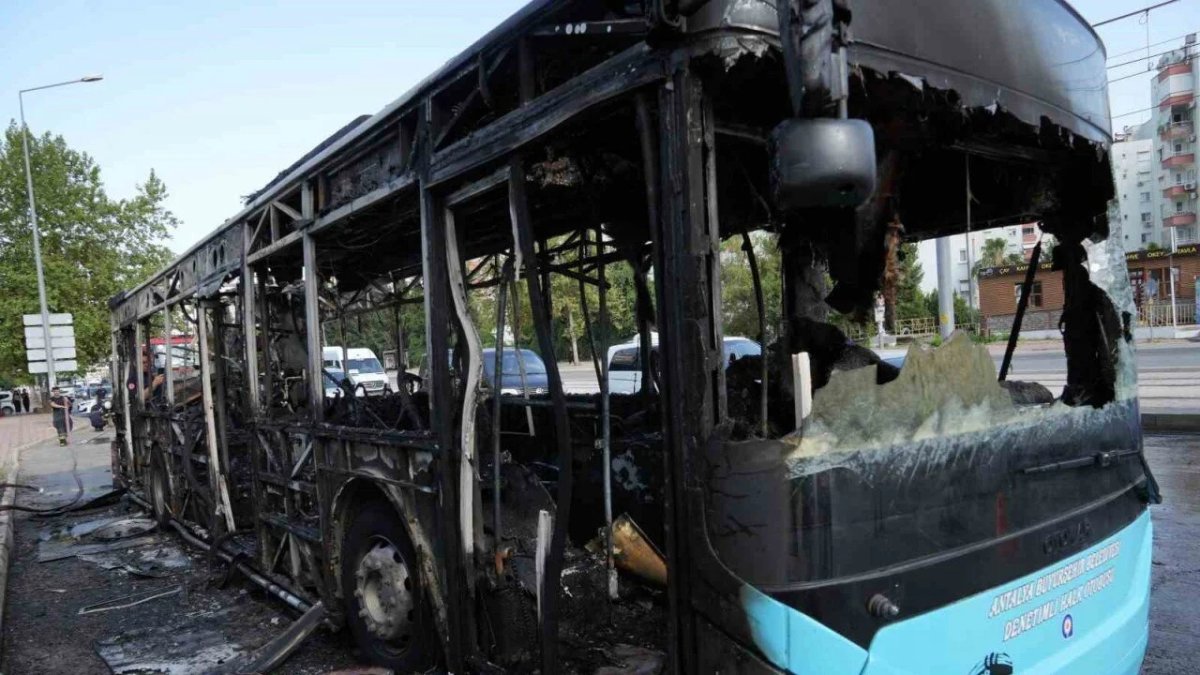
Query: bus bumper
x=1087, y=614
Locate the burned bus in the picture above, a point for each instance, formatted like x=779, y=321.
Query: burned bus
x=807, y=509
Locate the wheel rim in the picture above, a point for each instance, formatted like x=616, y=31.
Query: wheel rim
x=384, y=588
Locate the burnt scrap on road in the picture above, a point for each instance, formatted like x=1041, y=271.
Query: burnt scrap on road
x=451, y=521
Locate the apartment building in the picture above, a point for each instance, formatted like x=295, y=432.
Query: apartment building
x=966, y=250
x=1137, y=186
x=1154, y=163
x=1173, y=93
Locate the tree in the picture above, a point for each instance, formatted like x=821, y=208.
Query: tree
x=739, y=307
x=92, y=246
x=910, y=301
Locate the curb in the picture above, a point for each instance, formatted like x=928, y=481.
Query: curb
x=6, y=525
x=1169, y=422
x=6, y=529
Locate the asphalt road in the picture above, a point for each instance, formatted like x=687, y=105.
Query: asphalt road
x=1169, y=371
x=1175, y=574
x=1150, y=358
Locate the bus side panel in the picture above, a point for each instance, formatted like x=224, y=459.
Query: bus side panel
x=1087, y=614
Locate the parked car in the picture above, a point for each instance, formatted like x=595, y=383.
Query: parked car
x=361, y=365
x=625, y=366
x=7, y=407
x=333, y=382
x=84, y=406
x=536, y=380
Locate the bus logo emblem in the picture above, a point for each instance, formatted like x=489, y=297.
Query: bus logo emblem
x=1068, y=626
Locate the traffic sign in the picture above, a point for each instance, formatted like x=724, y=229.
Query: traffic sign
x=55, y=319
x=36, y=367
x=55, y=342
x=55, y=331
x=60, y=353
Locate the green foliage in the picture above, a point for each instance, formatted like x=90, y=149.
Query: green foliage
x=963, y=312
x=1153, y=246
x=739, y=307
x=92, y=246
x=993, y=255
x=910, y=301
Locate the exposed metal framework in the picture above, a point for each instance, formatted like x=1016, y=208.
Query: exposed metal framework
x=577, y=137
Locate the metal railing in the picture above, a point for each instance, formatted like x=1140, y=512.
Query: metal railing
x=921, y=327
x=1159, y=313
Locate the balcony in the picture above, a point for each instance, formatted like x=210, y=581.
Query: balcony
x=1179, y=190
x=1175, y=130
x=1182, y=68
x=1173, y=100
x=1179, y=219
x=1181, y=159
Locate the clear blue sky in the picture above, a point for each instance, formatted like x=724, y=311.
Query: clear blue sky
x=220, y=96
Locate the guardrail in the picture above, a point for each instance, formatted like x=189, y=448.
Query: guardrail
x=921, y=327
x=1159, y=313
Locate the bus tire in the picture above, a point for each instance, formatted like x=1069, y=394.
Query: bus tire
x=384, y=598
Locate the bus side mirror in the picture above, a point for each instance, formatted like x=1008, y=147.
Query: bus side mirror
x=822, y=162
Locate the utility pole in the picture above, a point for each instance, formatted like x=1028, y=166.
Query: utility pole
x=1171, y=274
x=51, y=376
x=945, y=275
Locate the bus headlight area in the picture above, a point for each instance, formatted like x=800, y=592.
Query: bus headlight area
x=794, y=503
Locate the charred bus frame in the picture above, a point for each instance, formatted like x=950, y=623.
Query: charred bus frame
x=627, y=107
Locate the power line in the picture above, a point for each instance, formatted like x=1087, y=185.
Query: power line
x=1142, y=58
x=1152, y=44
x=1140, y=11
x=1133, y=112
x=1145, y=72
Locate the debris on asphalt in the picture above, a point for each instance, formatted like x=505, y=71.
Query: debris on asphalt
x=208, y=643
x=123, y=529
x=130, y=600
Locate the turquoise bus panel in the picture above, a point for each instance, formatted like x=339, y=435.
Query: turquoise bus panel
x=1087, y=615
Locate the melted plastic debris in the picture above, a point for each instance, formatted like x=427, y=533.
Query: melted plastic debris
x=939, y=392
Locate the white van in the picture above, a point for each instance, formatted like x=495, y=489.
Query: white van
x=625, y=368
x=362, y=367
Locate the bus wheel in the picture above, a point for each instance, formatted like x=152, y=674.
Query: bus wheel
x=384, y=604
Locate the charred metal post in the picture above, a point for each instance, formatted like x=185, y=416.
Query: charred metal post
x=312, y=322
x=523, y=229
x=760, y=305
x=216, y=471
x=648, y=137
x=473, y=376
x=249, y=325
x=605, y=421
x=218, y=383
x=690, y=335
x=401, y=357
x=437, y=341
x=168, y=359
x=599, y=347
x=139, y=357
x=497, y=380
x=268, y=386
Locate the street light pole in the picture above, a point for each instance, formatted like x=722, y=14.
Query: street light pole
x=33, y=223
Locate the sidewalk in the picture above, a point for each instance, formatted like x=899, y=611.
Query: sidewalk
x=18, y=431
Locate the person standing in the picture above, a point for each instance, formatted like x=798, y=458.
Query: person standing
x=25, y=399
x=60, y=408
